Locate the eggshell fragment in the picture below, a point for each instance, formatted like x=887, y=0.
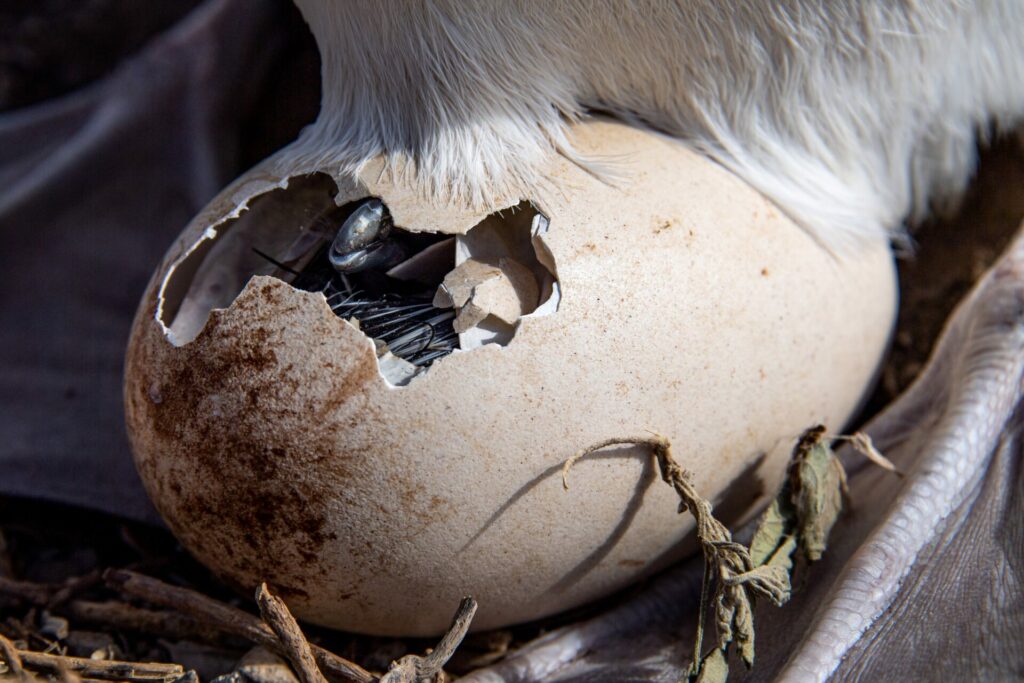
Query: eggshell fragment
x=477, y=289
x=689, y=306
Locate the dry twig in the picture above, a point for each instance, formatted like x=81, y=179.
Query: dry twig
x=73, y=586
x=275, y=613
x=106, y=670
x=33, y=593
x=428, y=669
x=66, y=676
x=170, y=625
x=10, y=656
x=227, y=619
x=111, y=613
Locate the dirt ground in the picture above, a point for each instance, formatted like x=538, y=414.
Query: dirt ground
x=949, y=256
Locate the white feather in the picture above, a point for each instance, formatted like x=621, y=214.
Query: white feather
x=850, y=114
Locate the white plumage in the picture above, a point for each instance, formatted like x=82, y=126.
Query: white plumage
x=850, y=114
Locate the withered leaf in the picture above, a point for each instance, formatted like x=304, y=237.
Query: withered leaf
x=862, y=443
x=776, y=523
x=818, y=486
x=767, y=581
x=713, y=668
x=743, y=621
x=783, y=557
x=801, y=516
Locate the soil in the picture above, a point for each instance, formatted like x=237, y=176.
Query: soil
x=950, y=255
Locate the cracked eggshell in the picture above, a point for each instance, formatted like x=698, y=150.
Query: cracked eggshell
x=690, y=306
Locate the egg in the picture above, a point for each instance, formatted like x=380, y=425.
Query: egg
x=283, y=442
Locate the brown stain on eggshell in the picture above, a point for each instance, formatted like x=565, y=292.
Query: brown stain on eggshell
x=250, y=495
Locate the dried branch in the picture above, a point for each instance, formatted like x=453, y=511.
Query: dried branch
x=65, y=676
x=10, y=656
x=428, y=669
x=121, y=615
x=110, y=613
x=33, y=593
x=436, y=660
x=275, y=613
x=227, y=619
x=73, y=586
x=107, y=670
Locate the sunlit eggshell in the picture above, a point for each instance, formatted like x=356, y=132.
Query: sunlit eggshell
x=686, y=305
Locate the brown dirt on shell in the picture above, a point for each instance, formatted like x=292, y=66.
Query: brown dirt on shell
x=262, y=501
x=260, y=517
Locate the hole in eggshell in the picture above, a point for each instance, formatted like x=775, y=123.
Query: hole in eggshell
x=218, y=266
x=418, y=295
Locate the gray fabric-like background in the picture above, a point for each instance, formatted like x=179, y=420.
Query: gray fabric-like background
x=94, y=186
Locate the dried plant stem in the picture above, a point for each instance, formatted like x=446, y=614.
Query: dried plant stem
x=738, y=580
x=112, y=613
x=34, y=593
x=228, y=619
x=10, y=656
x=440, y=655
x=167, y=624
x=74, y=586
x=48, y=596
x=428, y=669
x=276, y=614
x=107, y=670
x=66, y=676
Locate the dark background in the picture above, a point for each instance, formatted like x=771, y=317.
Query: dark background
x=119, y=120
